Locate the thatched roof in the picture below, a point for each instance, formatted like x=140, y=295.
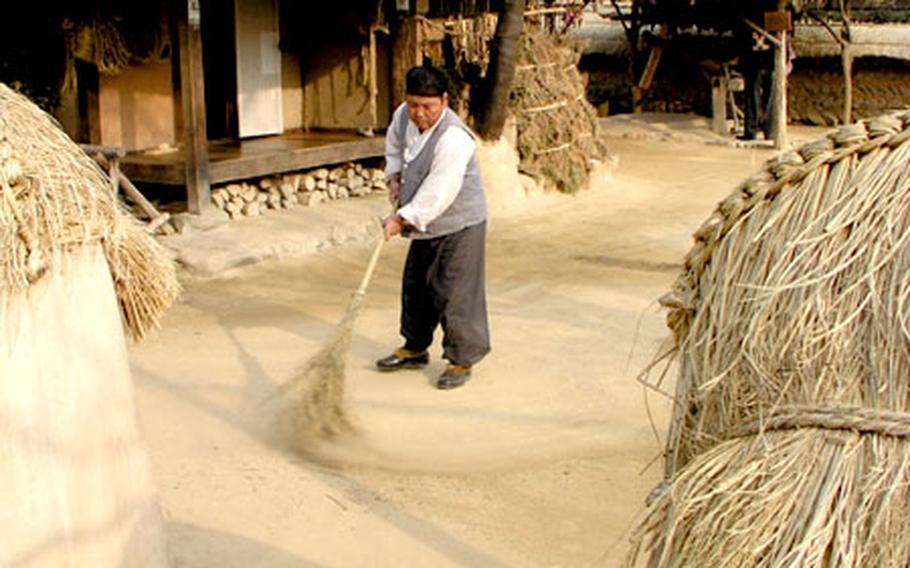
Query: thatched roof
x=809, y=39
x=54, y=200
x=727, y=14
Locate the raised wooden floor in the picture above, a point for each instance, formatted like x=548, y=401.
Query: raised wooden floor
x=241, y=159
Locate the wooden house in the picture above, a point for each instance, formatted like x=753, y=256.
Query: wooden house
x=200, y=92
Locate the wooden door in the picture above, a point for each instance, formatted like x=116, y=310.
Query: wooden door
x=258, y=68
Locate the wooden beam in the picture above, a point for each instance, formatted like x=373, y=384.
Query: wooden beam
x=252, y=164
x=761, y=31
x=192, y=95
x=294, y=160
x=647, y=76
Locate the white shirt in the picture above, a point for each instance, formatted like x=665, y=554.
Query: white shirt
x=450, y=162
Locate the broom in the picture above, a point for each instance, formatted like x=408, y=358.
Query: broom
x=318, y=387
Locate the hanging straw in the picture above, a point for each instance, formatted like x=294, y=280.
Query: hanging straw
x=55, y=199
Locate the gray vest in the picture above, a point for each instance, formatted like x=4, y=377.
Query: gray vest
x=469, y=207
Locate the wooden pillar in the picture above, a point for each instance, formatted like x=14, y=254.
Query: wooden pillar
x=779, y=92
x=192, y=102
x=405, y=54
x=847, y=63
x=719, y=105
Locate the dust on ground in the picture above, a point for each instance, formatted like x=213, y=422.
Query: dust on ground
x=543, y=459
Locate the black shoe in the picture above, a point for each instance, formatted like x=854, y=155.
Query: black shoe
x=403, y=359
x=747, y=136
x=453, y=377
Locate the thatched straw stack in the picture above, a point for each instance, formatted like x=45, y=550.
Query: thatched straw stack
x=558, y=137
x=75, y=271
x=789, y=442
x=57, y=200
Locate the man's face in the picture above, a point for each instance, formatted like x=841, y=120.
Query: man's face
x=425, y=111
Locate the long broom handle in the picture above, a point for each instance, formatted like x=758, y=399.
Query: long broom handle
x=368, y=273
x=362, y=290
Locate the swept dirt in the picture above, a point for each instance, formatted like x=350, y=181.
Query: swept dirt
x=543, y=459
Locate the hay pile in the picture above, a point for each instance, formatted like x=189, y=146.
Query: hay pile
x=76, y=272
x=788, y=445
x=55, y=199
x=558, y=136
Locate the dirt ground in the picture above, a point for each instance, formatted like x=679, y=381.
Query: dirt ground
x=542, y=459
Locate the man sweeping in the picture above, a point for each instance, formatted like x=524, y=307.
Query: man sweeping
x=432, y=172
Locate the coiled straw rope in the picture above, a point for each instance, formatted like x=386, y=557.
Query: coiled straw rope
x=855, y=419
x=789, y=442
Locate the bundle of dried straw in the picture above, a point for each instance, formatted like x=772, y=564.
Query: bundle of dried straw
x=558, y=136
x=54, y=199
x=789, y=442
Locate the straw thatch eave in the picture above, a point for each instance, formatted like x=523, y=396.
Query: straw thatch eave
x=55, y=200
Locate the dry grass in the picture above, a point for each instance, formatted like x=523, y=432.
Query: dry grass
x=788, y=445
x=558, y=136
x=56, y=199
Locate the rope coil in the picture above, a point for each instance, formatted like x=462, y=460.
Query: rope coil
x=858, y=419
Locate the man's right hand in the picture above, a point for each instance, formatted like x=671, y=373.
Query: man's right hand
x=394, y=190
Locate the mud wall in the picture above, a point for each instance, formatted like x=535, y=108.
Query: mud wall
x=136, y=107
x=329, y=47
x=816, y=88
x=291, y=91
x=336, y=89
x=816, y=93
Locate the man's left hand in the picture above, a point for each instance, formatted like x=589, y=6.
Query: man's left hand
x=392, y=225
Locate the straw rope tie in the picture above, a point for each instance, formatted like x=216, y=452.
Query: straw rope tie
x=553, y=106
x=858, y=419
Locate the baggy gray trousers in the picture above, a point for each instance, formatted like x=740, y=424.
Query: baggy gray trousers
x=444, y=283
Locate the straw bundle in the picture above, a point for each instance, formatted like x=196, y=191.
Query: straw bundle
x=76, y=272
x=557, y=127
x=56, y=199
x=789, y=441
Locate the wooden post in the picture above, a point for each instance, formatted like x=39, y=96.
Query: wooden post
x=647, y=76
x=847, y=61
x=192, y=95
x=719, y=105
x=846, y=56
x=405, y=54
x=779, y=92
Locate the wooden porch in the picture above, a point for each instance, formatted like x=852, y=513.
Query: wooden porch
x=230, y=160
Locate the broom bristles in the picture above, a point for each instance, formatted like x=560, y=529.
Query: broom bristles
x=316, y=394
